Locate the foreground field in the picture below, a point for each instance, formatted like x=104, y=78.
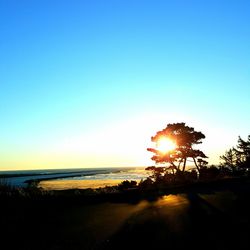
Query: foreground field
x=197, y=219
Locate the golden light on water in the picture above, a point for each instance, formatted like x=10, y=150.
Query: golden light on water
x=165, y=145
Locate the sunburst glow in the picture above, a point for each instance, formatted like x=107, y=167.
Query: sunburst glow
x=165, y=145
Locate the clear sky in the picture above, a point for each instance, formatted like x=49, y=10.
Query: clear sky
x=87, y=83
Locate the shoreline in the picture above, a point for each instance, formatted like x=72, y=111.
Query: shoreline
x=20, y=179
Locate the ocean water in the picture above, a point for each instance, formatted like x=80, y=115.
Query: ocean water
x=73, y=178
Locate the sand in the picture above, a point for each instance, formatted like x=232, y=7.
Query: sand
x=76, y=184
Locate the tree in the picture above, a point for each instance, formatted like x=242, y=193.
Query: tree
x=156, y=172
x=184, y=138
x=202, y=163
x=229, y=159
x=243, y=152
x=237, y=157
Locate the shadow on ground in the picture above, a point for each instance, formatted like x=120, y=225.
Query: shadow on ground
x=219, y=220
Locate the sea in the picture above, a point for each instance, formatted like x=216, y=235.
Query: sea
x=59, y=179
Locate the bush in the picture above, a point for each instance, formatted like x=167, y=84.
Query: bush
x=125, y=185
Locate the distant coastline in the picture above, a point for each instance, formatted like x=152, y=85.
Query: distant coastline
x=73, y=177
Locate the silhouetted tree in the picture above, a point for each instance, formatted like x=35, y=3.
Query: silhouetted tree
x=185, y=138
x=156, y=172
x=229, y=159
x=237, y=158
x=201, y=163
x=242, y=152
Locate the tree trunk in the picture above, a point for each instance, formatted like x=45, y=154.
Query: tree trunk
x=184, y=164
x=180, y=163
x=175, y=167
x=172, y=170
x=196, y=165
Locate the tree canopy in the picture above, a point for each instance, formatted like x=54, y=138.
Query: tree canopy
x=238, y=157
x=185, y=138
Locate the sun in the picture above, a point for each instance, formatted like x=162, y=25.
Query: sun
x=165, y=145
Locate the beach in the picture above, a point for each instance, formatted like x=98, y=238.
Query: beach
x=77, y=184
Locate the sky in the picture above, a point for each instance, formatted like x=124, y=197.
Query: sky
x=87, y=83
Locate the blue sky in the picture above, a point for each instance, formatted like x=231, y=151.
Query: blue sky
x=78, y=75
